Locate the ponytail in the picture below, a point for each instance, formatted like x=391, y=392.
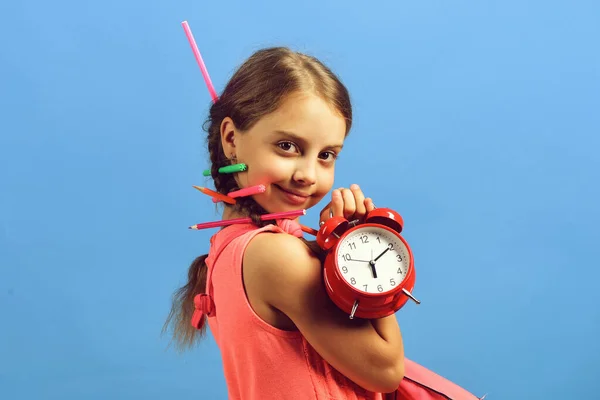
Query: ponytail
x=182, y=308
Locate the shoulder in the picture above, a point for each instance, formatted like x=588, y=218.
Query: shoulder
x=290, y=276
x=284, y=262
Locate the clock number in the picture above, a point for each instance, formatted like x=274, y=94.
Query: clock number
x=364, y=239
x=365, y=286
x=391, y=246
x=352, y=245
x=353, y=281
x=399, y=271
x=378, y=240
x=380, y=288
x=347, y=257
x=345, y=269
x=392, y=282
x=399, y=257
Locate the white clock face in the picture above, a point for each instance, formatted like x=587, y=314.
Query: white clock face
x=373, y=260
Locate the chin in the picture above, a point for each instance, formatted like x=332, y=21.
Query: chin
x=273, y=202
x=279, y=206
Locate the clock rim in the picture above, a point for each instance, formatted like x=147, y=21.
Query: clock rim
x=391, y=292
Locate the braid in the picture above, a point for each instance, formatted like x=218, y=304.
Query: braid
x=225, y=183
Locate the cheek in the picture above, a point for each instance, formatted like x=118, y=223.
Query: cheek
x=325, y=181
x=267, y=172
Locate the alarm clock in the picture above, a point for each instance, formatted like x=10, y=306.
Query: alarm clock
x=369, y=267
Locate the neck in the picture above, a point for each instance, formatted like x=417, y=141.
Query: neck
x=230, y=213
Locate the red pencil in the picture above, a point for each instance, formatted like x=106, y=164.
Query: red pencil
x=309, y=230
x=225, y=222
x=217, y=195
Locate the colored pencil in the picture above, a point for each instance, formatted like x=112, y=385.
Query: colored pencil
x=264, y=217
x=214, y=194
x=230, y=169
x=249, y=191
x=308, y=230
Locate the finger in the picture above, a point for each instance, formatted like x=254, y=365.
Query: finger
x=349, y=203
x=359, y=200
x=324, y=215
x=369, y=205
x=337, y=203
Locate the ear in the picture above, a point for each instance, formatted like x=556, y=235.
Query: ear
x=228, y=136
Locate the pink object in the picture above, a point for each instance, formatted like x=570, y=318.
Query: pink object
x=190, y=36
x=247, y=343
x=249, y=191
x=264, y=217
x=260, y=361
x=423, y=384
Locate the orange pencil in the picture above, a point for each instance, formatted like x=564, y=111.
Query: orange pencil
x=216, y=195
x=308, y=230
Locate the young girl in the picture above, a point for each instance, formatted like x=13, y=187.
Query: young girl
x=285, y=115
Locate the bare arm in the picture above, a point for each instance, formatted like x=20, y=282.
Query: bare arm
x=369, y=352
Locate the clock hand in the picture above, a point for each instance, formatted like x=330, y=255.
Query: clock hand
x=354, y=259
x=379, y=256
x=372, y=265
x=373, y=270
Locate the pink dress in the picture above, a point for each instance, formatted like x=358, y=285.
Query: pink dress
x=262, y=362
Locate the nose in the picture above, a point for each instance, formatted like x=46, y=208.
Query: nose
x=305, y=173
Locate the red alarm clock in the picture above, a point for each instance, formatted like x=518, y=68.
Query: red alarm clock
x=369, y=268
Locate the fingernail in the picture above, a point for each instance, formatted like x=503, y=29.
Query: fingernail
x=354, y=186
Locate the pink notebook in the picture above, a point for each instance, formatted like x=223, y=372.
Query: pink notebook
x=419, y=383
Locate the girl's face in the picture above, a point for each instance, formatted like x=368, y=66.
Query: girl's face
x=291, y=151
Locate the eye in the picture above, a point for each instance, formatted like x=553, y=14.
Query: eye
x=287, y=146
x=328, y=156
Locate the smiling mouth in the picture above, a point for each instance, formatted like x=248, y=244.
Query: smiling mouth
x=293, y=193
x=292, y=196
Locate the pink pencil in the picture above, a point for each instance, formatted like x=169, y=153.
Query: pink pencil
x=190, y=36
x=249, y=191
x=264, y=217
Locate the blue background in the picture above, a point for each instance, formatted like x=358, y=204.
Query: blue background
x=477, y=121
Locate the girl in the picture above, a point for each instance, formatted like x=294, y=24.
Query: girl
x=285, y=115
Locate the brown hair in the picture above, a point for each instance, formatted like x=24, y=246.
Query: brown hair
x=256, y=89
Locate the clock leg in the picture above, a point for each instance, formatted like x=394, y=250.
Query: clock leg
x=409, y=294
x=354, y=307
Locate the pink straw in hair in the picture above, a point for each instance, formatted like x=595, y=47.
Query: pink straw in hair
x=190, y=36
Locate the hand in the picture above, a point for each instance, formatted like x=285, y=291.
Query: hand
x=348, y=203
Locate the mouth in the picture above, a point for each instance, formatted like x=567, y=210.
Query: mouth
x=292, y=196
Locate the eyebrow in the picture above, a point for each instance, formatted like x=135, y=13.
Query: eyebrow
x=302, y=141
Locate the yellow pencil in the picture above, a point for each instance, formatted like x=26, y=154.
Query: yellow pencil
x=216, y=195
